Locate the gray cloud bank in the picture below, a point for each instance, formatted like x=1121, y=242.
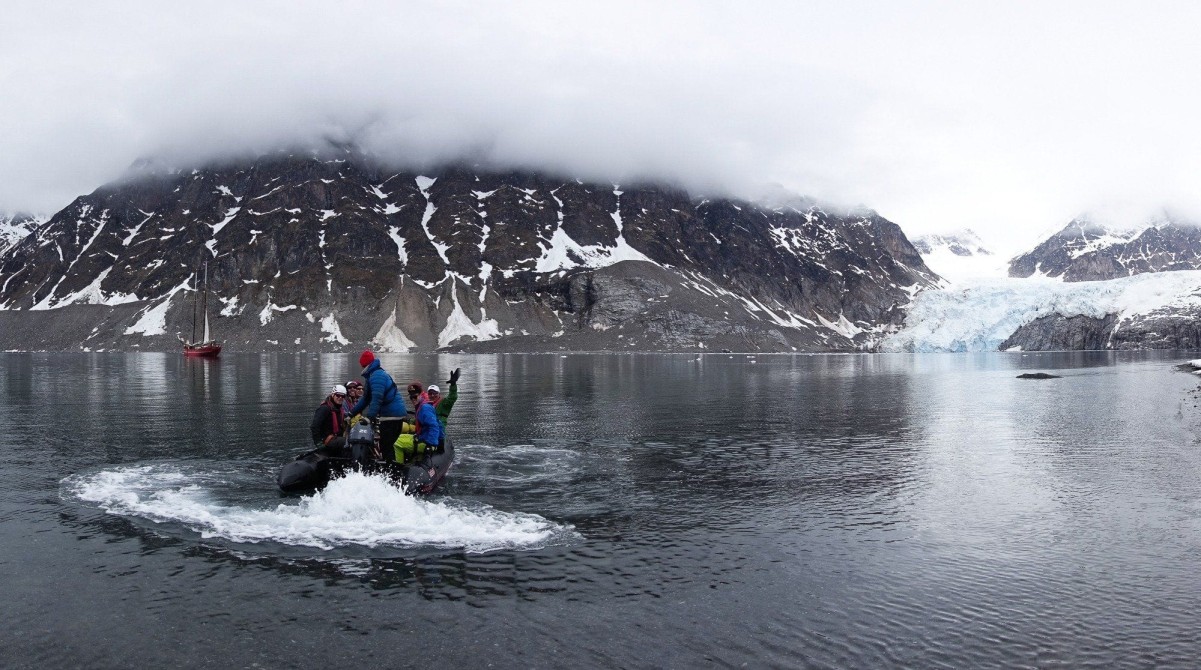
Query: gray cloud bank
x=1006, y=117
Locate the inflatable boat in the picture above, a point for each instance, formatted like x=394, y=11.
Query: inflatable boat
x=313, y=470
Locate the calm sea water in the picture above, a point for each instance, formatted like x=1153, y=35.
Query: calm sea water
x=610, y=511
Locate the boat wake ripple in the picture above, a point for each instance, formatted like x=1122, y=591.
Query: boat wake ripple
x=357, y=510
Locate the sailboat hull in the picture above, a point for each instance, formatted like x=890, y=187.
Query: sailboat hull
x=202, y=350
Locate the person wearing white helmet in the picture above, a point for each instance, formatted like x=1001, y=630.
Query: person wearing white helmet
x=329, y=423
x=444, y=403
x=354, y=391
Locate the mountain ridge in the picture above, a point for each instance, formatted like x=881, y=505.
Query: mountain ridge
x=16, y=226
x=334, y=251
x=1087, y=250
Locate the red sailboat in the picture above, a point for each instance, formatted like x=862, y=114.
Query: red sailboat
x=206, y=347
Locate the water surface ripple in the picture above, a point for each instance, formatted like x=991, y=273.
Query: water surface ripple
x=611, y=511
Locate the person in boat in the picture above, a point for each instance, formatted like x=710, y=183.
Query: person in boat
x=381, y=402
x=404, y=447
x=444, y=403
x=416, y=393
x=407, y=449
x=430, y=432
x=354, y=391
x=327, y=428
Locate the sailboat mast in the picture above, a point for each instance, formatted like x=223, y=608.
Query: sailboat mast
x=194, y=305
x=206, y=302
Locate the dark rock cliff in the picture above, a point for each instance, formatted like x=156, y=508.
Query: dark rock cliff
x=1161, y=329
x=334, y=252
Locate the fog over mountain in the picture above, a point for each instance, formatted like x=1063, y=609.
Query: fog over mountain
x=1020, y=115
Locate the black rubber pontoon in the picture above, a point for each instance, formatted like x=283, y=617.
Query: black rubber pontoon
x=313, y=470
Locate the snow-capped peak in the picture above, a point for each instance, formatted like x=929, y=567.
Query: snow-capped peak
x=16, y=227
x=963, y=242
x=959, y=255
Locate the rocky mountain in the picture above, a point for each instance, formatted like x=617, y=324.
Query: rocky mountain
x=1165, y=328
x=1088, y=251
x=15, y=227
x=333, y=251
x=958, y=243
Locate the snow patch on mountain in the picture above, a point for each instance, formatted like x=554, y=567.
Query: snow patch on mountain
x=394, y=233
x=842, y=326
x=329, y=325
x=391, y=338
x=153, y=321
x=423, y=185
x=979, y=315
x=231, y=306
x=89, y=295
x=266, y=316
x=561, y=252
x=229, y=216
x=1103, y=241
x=564, y=253
x=16, y=227
x=459, y=325
x=136, y=229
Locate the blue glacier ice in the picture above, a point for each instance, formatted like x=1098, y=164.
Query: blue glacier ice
x=979, y=314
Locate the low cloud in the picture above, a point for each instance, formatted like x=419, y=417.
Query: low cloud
x=1007, y=119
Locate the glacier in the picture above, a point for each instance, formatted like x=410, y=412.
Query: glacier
x=979, y=314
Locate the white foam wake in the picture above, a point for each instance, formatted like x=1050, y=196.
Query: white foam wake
x=355, y=510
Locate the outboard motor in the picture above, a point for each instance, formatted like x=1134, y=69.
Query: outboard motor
x=361, y=441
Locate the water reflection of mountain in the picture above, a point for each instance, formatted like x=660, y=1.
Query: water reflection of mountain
x=731, y=430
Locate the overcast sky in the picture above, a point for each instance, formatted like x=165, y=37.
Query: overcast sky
x=1006, y=117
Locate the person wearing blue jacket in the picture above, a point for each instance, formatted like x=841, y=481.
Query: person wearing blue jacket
x=381, y=402
x=429, y=430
